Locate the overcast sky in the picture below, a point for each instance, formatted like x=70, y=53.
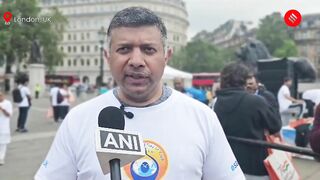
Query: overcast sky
x=209, y=14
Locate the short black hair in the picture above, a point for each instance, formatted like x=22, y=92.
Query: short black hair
x=234, y=75
x=286, y=78
x=137, y=17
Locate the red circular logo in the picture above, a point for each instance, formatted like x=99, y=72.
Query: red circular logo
x=292, y=18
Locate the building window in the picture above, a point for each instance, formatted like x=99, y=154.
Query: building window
x=88, y=35
x=96, y=48
x=96, y=62
x=69, y=36
x=61, y=48
x=88, y=48
x=88, y=62
x=74, y=48
x=82, y=48
x=82, y=36
x=69, y=62
x=61, y=63
x=74, y=62
x=82, y=62
x=69, y=49
x=75, y=37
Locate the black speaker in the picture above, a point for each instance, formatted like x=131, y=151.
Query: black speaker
x=271, y=73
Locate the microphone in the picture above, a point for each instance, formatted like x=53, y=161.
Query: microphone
x=129, y=115
x=115, y=147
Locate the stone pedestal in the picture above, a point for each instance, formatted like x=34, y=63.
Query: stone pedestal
x=36, y=76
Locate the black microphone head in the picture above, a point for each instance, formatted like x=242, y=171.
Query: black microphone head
x=111, y=117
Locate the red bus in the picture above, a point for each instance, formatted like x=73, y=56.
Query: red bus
x=205, y=79
x=61, y=79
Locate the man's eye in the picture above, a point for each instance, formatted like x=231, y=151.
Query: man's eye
x=149, y=50
x=123, y=50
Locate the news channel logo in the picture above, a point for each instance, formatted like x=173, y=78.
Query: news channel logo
x=8, y=18
x=292, y=18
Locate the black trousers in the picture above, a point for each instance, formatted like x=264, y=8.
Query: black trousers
x=22, y=118
x=37, y=94
x=63, y=111
x=56, y=113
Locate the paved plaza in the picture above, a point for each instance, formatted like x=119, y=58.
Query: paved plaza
x=27, y=150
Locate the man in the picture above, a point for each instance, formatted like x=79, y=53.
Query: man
x=24, y=105
x=185, y=142
x=314, y=136
x=37, y=90
x=246, y=116
x=178, y=84
x=53, y=101
x=288, y=104
x=5, y=114
x=254, y=87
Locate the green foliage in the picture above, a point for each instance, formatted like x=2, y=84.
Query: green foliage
x=287, y=49
x=16, y=38
x=274, y=34
x=200, y=56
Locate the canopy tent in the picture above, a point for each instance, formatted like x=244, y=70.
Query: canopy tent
x=170, y=73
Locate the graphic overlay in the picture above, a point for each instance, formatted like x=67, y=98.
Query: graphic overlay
x=151, y=167
x=7, y=17
x=292, y=18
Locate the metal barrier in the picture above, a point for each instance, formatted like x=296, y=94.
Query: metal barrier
x=299, y=150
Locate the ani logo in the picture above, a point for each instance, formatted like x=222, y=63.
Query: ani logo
x=151, y=167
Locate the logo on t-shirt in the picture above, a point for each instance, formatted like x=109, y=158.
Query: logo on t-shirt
x=151, y=167
x=234, y=166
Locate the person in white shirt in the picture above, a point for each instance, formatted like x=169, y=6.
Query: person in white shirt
x=65, y=104
x=5, y=137
x=53, y=100
x=288, y=104
x=24, y=106
x=183, y=138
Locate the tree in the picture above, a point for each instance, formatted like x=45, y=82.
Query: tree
x=16, y=38
x=274, y=34
x=199, y=56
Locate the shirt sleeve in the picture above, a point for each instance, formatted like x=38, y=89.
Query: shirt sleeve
x=220, y=162
x=8, y=107
x=60, y=162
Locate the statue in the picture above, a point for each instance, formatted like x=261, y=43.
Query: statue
x=35, y=56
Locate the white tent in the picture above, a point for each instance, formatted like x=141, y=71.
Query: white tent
x=170, y=73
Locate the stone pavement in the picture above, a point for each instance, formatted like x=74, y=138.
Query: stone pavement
x=27, y=151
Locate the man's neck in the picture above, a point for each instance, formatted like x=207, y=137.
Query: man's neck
x=130, y=101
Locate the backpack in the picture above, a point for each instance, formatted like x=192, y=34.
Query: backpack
x=16, y=94
x=59, y=97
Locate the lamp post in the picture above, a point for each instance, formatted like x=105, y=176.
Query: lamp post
x=101, y=35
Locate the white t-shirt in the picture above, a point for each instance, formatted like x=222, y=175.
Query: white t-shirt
x=5, y=122
x=65, y=101
x=284, y=103
x=313, y=95
x=53, y=95
x=24, y=92
x=183, y=136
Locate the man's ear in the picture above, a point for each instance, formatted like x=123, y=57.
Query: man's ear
x=106, y=55
x=168, y=55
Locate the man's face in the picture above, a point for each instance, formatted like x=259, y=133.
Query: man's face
x=178, y=85
x=251, y=85
x=288, y=83
x=137, y=59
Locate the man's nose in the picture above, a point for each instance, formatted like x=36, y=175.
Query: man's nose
x=137, y=58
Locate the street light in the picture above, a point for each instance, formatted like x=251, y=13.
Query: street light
x=101, y=36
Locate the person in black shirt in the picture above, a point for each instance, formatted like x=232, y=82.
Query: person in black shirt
x=245, y=115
